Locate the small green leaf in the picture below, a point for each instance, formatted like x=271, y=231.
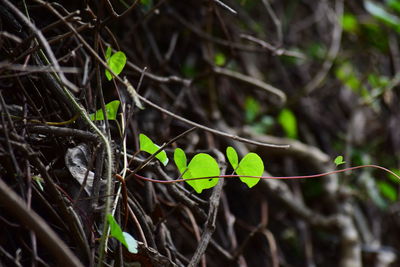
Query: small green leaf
x=250, y=165
x=111, y=110
x=232, y=157
x=219, y=59
x=388, y=190
x=252, y=109
x=339, y=161
x=349, y=22
x=116, y=63
x=148, y=146
x=180, y=160
x=202, y=165
x=289, y=123
x=125, y=238
x=108, y=53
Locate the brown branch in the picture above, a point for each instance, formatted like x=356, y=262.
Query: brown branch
x=15, y=205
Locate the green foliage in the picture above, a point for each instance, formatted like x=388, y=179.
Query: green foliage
x=339, y=161
x=232, y=156
x=394, y=4
x=180, y=160
x=250, y=165
x=125, y=238
x=252, y=108
x=202, y=165
x=380, y=13
x=346, y=73
x=387, y=190
x=147, y=145
x=349, y=23
x=317, y=51
x=111, y=111
x=394, y=178
x=219, y=59
x=115, y=61
x=288, y=122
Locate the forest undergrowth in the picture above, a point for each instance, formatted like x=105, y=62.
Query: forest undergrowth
x=105, y=103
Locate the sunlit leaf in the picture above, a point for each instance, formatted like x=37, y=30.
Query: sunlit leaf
x=289, y=123
x=339, y=160
x=131, y=243
x=147, y=145
x=180, y=160
x=116, y=63
x=232, y=157
x=250, y=165
x=202, y=165
x=111, y=110
x=125, y=238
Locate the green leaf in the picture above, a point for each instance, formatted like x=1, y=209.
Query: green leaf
x=111, y=110
x=232, y=157
x=219, y=59
x=388, y=190
x=349, y=23
x=394, y=4
x=202, y=165
x=116, y=63
x=379, y=12
x=394, y=178
x=148, y=146
x=125, y=238
x=252, y=109
x=250, y=165
x=108, y=53
x=339, y=161
x=180, y=160
x=288, y=122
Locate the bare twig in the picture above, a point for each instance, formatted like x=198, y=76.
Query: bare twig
x=15, y=205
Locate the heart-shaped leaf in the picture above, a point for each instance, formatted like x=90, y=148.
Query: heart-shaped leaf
x=180, y=160
x=232, y=157
x=250, y=165
x=148, y=146
x=125, y=238
x=111, y=110
x=202, y=165
x=116, y=63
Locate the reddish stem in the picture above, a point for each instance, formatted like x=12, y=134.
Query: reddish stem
x=268, y=177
